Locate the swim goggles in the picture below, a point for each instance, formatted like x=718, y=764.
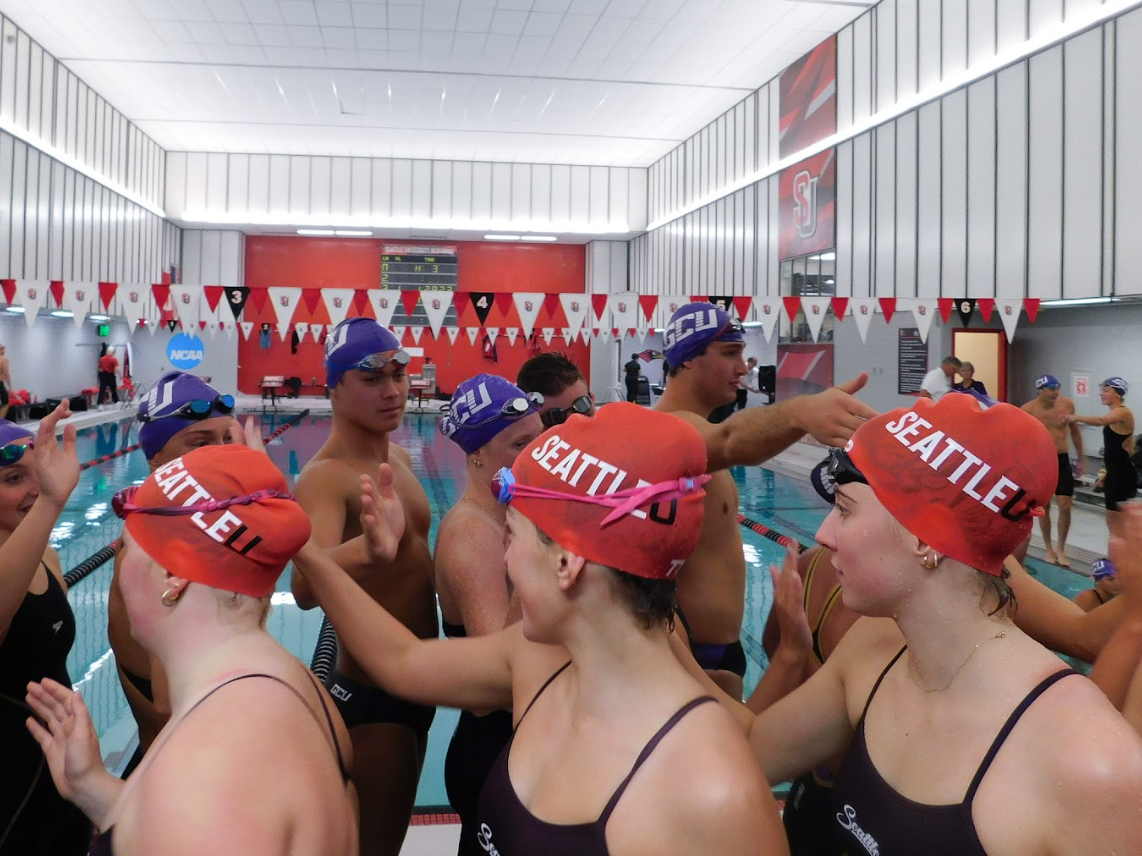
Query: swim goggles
x=122, y=505
x=842, y=470
x=559, y=415
x=375, y=362
x=505, y=486
x=13, y=452
x=513, y=408
x=199, y=408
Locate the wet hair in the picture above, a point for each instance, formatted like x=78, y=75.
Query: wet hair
x=672, y=371
x=997, y=587
x=548, y=374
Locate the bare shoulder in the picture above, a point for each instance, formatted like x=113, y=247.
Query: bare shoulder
x=400, y=454
x=327, y=475
x=1067, y=405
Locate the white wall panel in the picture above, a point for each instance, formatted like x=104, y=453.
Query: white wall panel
x=907, y=58
x=636, y=199
x=1045, y=163
x=1127, y=166
x=886, y=51
x=749, y=134
x=238, y=183
x=340, y=187
x=18, y=172
x=279, y=186
x=521, y=191
x=929, y=44
x=955, y=37
x=618, y=185
x=845, y=79
x=361, y=187
x=981, y=190
x=462, y=191
x=953, y=199
x=421, y=204
x=749, y=240
x=320, y=186
x=482, y=189
x=773, y=225
x=402, y=189
x=981, y=30
x=299, y=176
x=560, y=193
x=929, y=204
x=862, y=67
x=771, y=122
x=845, y=214
x=905, y=232
x=600, y=203
x=862, y=231
x=1044, y=14
x=1082, y=165
x=884, y=211
x=580, y=194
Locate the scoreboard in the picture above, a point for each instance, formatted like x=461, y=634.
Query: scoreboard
x=419, y=268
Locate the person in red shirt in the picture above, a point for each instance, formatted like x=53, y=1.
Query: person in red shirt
x=108, y=374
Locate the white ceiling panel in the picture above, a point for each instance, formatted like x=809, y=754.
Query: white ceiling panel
x=615, y=82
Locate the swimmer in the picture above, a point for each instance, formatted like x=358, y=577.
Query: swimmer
x=179, y=413
x=616, y=748
x=1105, y=588
x=492, y=421
x=562, y=385
x=254, y=758
x=1054, y=411
x=1117, y=424
x=368, y=383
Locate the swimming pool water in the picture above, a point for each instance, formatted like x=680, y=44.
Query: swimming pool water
x=783, y=503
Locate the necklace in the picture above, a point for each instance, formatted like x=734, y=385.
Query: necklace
x=1000, y=635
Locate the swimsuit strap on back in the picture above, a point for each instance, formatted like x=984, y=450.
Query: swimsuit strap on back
x=876, y=686
x=329, y=721
x=535, y=698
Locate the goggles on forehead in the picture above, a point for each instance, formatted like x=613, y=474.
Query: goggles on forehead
x=842, y=470
x=559, y=415
x=198, y=409
x=513, y=408
x=122, y=505
x=733, y=328
x=505, y=486
x=13, y=452
x=376, y=362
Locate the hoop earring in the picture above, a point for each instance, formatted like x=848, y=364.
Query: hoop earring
x=170, y=596
x=479, y=464
x=931, y=560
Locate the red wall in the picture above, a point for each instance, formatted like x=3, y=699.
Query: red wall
x=356, y=263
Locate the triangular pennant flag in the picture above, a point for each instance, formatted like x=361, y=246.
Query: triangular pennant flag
x=569, y=335
x=472, y=332
x=986, y=307
x=862, y=311
x=285, y=300
x=548, y=334
x=668, y=304
x=212, y=294
x=767, y=309
x=152, y=323
x=603, y=335
x=107, y=294
x=32, y=294
x=417, y=332
x=398, y=331
x=528, y=304
x=648, y=302
x=599, y=305
x=186, y=300
x=452, y=332
x=482, y=303
x=888, y=307
x=792, y=306
x=9, y=286
x=924, y=311
x=722, y=301
x=315, y=330
x=302, y=330
x=742, y=306
x=409, y=299
x=77, y=297
x=815, y=309
x=436, y=305
x=504, y=303
x=551, y=305
x=56, y=290
x=172, y=325
x=236, y=297
x=461, y=299
x=311, y=299
x=360, y=303
x=210, y=327
x=945, y=306
x=840, y=305
x=965, y=306
x=229, y=329
x=575, y=308
x=1031, y=307
x=511, y=333
x=492, y=333
x=384, y=302
x=338, y=302
x=698, y=298
x=161, y=292
x=624, y=311
x=247, y=328
x=1009, y=314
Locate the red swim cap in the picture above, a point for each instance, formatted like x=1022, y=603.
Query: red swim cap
x=624, y=446
x=242, y=548
x=965, y=480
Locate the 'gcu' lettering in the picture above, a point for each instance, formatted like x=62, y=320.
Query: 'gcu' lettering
x=688, y=325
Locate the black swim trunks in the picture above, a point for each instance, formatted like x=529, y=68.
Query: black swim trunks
x=3, y=394
x=721, y=658
x=1066, y=485
x=361, y=704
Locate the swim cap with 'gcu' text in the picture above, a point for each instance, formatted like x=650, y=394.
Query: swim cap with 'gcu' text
x=964, y=480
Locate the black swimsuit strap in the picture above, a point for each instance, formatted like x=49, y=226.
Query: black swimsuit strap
x=332, y=729
x=535, y=698
x=650, y=747
x=876, y=686
x=1012, y=720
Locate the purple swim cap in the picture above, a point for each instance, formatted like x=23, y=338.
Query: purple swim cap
x=693, y=327
x=1100, y=569
x=350, y=342
x=10, y=433
x=482, y=407
x=169, y=393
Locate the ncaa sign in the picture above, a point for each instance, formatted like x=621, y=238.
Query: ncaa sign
x=185, y=352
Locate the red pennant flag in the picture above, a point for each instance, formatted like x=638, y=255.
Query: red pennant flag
x=461, y=300
x=201, y=325
x=599, y=304
x=945, y=305
x=9, y=286
x=1030, y=306
x=409, y=299
x=550, y=305
x=504, y=302
x=162, y=293
x=840, y=307
x=792, y=305
x=742, y=305
x=56, y=290
x=888, y=307
x=694, y=298
x=360, y=302
x=986, y=307
x=213, y=294
x=648, y=302
x=107, y=293
x=310, y=297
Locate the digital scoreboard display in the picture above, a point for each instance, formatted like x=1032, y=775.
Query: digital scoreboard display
x=419, y=268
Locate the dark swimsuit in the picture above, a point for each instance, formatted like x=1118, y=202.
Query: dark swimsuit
x=476, y=743
x=872, y=817
x=507, y=828
x=102, y=844
x=1121, y=481
x=713, y=657
x=34, y=819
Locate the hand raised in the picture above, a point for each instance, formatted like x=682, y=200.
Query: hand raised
x=65, y=733
x=382, y=515
x=56, y=464
x=789, y=601
x=832, y=416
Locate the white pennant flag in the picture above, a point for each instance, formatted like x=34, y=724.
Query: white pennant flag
x=417, y=332
x=604, y=335
x=152, y=322
x=315, y=330
x=815, y=309
x=229, y=329
x=302, y=330
x=528, y=304
x=492, y=332
x=1009, y=314
x=398, y=331
x=131, y=301
x=435, y=305
x=284, y=300
x=569, y=335
x=548, y=334
x=211, y=324
x=575, y=308
x=247, y=329
x=511, y=333
x=77, y=299
x=625, y=311
x=767, y=309
x=472, y=332
x=384, y=303
x=922, y=310
x=338, y=302
x=186, y=300
x=452, y=332
x=862, y=310
x=32, y=294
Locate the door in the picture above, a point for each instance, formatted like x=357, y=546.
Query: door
x=987, y=351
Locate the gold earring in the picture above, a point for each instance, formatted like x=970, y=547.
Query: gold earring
x=931, y=560
x=479, y=464
x=170, y=596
